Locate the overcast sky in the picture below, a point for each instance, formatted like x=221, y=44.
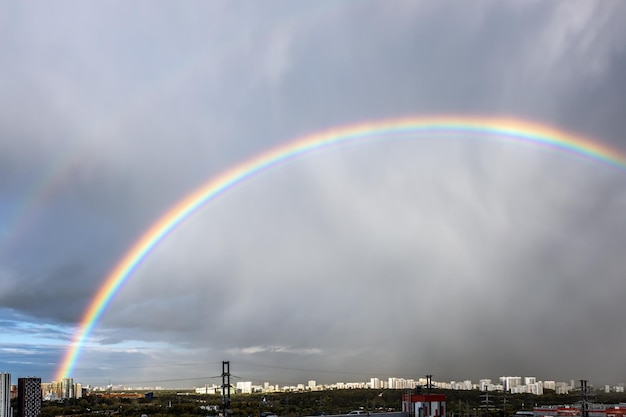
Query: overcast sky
x=455, y=257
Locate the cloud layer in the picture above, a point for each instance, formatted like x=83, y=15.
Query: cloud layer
x=456, y=257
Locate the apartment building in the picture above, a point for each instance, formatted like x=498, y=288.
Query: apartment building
x=28, y=397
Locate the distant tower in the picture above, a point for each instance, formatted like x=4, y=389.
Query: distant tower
x=5, y=395
x=584, y=402
x=28, y=397
x=226, y=409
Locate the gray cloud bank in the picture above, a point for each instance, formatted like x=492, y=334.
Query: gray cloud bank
x=456, y=257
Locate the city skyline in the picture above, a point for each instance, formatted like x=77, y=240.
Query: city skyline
x=69, y=388
x=30, y=396
x=431, y=186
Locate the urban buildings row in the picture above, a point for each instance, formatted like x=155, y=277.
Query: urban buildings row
x=27, y=392
x=512, y=384
x=30, y=392
x=59, y=390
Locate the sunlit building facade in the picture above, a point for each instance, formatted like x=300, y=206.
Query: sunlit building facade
x=67, y=388
x=244, y=387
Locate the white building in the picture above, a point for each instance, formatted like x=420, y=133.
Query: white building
x=562, y=388
x=536, y=388
x=519, y=389
x=214, y=389
x=375, y=383
x=244, y=387
x=443, y=385
x=78, y=390
x=5, y=395
x=529, y=380
x=549, y=385
x=465, y=385
x=394, y=383
x=509, y=382
x=485, y=385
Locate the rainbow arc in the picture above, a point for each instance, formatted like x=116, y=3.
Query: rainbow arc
x=506, y=129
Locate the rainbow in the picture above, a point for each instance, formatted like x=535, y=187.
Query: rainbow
x=511, y=129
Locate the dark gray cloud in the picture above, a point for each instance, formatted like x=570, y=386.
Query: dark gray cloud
x=453, y=256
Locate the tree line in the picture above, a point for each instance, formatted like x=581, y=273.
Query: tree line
x=306, y=403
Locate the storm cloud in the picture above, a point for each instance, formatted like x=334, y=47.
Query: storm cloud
x=454, y=256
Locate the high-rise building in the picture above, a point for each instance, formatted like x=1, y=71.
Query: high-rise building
x=485, y=384
x=5, y=395
x=510, y=382
x=549, y=385
x=28, y=397
x=529, y=380
x=78, y=390
x=244, y=387
x=536, y=388
x=67, y=388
